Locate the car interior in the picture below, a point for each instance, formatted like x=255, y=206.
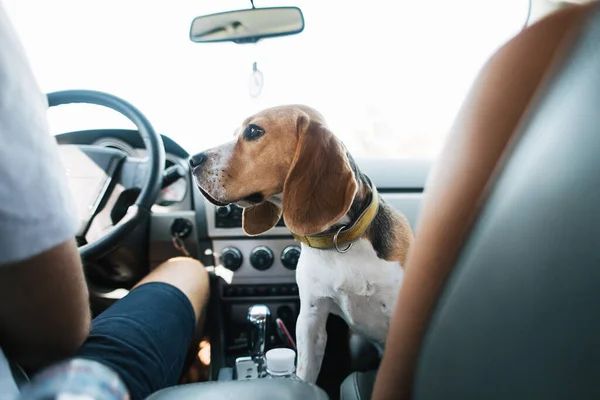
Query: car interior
x=528, y=332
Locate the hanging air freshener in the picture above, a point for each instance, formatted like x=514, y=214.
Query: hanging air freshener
x=255, y=83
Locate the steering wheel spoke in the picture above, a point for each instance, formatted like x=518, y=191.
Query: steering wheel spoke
x=133, y=173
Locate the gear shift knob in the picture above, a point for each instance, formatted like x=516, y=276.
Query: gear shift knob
x=258, y=320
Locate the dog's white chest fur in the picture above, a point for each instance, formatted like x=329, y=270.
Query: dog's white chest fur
x=357, y=286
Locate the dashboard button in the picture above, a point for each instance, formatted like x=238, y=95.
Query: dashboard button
x=290, y=256
x=261, y=258
x=231, y=258
x=261, y=290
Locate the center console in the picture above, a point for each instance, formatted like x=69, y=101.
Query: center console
x=263, y=274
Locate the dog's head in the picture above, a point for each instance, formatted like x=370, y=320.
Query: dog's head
x=283, y=160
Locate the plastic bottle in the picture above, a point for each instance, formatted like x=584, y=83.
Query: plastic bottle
x=281, y=363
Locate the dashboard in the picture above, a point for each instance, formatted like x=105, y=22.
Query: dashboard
x=259, y=269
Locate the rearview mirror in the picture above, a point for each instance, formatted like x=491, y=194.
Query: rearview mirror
x=247, y=26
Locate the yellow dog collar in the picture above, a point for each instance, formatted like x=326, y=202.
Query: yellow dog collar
x=344, y=235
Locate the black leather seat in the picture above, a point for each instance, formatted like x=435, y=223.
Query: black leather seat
x=363, y=355
x=358, y=385
x=520, y=314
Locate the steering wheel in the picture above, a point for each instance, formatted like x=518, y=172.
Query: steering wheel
x=111, y=168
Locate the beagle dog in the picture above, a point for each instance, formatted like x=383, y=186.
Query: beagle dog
x=285, y=161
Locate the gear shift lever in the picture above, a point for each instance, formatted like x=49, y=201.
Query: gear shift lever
x=258, y=320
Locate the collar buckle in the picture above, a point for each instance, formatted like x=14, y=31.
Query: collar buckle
x=335, y=241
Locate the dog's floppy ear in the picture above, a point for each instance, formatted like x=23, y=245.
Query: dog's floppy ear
x=260, y=218
x=320, y=185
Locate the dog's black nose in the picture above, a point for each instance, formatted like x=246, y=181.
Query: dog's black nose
x=197, y=160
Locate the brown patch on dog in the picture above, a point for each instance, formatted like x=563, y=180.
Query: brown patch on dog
x=391, y=234
x=320, y=186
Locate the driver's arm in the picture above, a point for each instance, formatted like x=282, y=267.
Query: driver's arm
x=44, y=311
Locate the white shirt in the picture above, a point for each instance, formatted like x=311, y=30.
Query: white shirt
x=36, y=208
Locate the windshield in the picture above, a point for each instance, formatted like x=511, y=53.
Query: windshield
x=389, y=77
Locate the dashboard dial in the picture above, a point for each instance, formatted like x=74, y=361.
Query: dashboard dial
x=290, y=256
x=231, y=258
x=261, y=258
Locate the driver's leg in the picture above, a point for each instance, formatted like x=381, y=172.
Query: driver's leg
x=145, y=336
x=187, y=275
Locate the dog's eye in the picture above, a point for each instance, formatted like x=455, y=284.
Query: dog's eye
x=253, y=132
